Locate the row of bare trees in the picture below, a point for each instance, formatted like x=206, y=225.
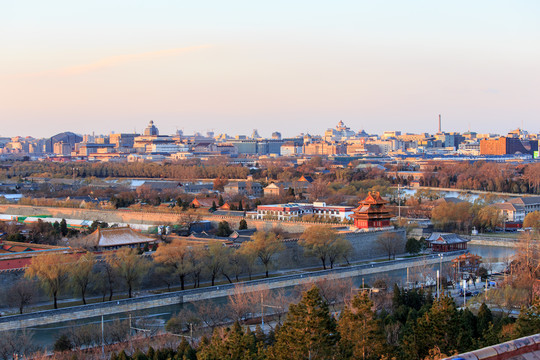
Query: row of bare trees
x=486, y=176
x=80, y=273
x=178, y=262
x=245, y=303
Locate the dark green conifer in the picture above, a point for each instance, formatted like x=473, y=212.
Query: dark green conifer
x=309, y=331
x=360, y=331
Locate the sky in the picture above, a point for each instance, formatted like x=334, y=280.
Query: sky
x=289, y=66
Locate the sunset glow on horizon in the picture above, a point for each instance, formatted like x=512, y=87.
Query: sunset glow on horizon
x=280, y=66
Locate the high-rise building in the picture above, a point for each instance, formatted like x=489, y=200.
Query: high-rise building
x=151, y=129
x=507, y=146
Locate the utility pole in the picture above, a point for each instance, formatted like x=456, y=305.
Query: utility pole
x=262, y=311
x=439, y=275
x=485, y=292
x=399, y=201
x=102, y=338
x=407, y=277
x=438, y=280
x=464, y=293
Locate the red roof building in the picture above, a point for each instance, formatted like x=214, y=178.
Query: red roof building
x=372, y=213
x=17, y=255
x=444, y=242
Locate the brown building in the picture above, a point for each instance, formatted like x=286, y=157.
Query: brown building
x=324, y=148
x=507, y=146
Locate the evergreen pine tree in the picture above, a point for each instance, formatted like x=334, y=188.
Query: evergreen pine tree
x=224, y=229
x=290, y=192
x=361, y=334
x=220, y=201
x=63, y=227
x=185, y=351
x=242, y=225
x=468, y=331
x=484, y=318
x=528, y=321
x=150, y=353
x=396, y=297
x=309, y=331
x=439, y=327
x=230, y=344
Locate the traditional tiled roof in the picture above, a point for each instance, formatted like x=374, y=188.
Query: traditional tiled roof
x=121, y=236
x=307, y=178
x=372, y=207
x=446, y=238
x=450, y=199
x=205, y=202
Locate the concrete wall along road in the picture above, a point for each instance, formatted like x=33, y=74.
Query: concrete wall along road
x=145, y=302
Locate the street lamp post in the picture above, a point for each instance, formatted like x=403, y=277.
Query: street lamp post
x=438, y=280
x=262, y=310
x=439, y=275
x=464, y=293
x=399, y=201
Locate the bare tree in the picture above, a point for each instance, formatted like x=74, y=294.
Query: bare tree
x=264, y=245
x=82, y=274
x=165, y=275
x=237, y=264
x=324, y=243
x=175, y=255
x=52, y=272
x=129, y=266
x=21, y=294
x=196, y=259
x=525, y=267
x=318, y=190
x=334, y=291
x=17, y=342
x=216, y=258
x=209, y=314
x=249, y=258
x=108, y=277
x=240, y=303
x=391, y=243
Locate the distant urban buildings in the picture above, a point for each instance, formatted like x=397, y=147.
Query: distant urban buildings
x=337, y=142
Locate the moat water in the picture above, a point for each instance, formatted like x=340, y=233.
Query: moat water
x=46, y=335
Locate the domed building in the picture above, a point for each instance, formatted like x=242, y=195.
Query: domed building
x=151, y=129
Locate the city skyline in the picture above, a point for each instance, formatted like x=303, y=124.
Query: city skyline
x=248, y=132
x=293, y=68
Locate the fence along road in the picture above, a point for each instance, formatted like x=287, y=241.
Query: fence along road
x=45, y=317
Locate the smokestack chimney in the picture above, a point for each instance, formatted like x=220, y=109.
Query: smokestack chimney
x=439, y=123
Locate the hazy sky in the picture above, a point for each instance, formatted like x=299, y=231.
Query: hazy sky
x=291, y=66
